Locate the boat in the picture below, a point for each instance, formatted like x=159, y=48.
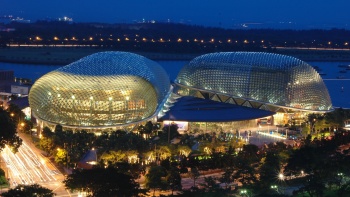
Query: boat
x=343, y=66
x=317, y=68
x=341, y=77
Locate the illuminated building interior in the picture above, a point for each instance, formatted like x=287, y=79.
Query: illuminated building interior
x=100, y=91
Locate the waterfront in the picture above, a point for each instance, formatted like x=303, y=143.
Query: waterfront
x=336, y=78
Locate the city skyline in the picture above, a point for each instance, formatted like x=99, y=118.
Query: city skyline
x=227, y=14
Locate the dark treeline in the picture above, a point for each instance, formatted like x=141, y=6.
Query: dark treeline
x=167, y=37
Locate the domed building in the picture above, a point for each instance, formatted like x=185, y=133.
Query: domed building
x=103, y=90
x=258, y=80
x=119, y=89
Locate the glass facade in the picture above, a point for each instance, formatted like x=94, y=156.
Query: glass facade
x=101, y=90
x=257, y=77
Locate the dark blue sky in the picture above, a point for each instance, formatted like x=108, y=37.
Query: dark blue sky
x=223, y=13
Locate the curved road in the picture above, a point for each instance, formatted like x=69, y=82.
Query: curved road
x=28, y=166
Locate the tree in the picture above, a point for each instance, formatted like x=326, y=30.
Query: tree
x=174, y=179
x=313, y=186
x=246, y=165
x=141, y=129
x=184, y=150
x=102, y=182
x=210, y=184
x=269, y=170
x=165, y=136
x=194, y=174
x=61, y=157
x=29, y=190
x=344, y=190
x=133, y=169
x=47, y=144
x=147, y=129
x=226, y=177
x=112, y=157
x=58, y=128
x=27, y=126
x=163, y=152
x=337, y=117
x=314, y=122
x=8, y=133
x=16, y=113
x=320, y=163
x=3, y=179
x=47, y=132
x=154, y=178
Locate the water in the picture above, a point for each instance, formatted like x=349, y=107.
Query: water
x=28, y=71
x=34, y=72
x=339, y=89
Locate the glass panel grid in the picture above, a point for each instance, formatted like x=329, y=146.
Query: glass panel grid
x=103, y=89
x=263, y=77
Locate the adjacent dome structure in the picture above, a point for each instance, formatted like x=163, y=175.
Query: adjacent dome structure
x=112, y=89
x=102, y=90
x=255, y=79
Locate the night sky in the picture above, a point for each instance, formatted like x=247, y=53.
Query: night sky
x=222, y=13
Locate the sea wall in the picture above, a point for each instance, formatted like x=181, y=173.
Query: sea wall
x=66, y=55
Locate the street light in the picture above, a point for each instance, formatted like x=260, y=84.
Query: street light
x=243, y=192
x=22, y=125
x=275, y=187
x=281, y=176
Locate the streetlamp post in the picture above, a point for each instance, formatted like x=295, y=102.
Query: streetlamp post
x=22, y=126
x=169, y=132
x=67, y=152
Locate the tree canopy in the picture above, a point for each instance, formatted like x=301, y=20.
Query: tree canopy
x=29, y=191
x=8, y=133
x=102, y=182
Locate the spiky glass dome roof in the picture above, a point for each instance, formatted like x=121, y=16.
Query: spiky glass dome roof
x=101, y=90
x=261, y=77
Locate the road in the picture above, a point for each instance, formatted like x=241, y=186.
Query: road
x=28, y=166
